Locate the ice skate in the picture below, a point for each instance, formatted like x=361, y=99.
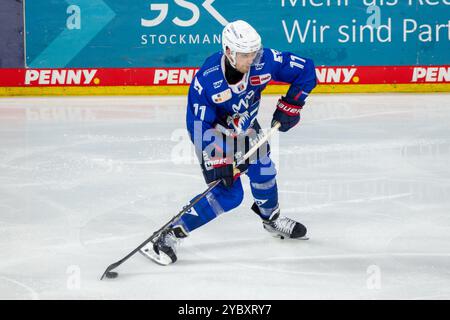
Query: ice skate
x=163, y=249
x=282, y=227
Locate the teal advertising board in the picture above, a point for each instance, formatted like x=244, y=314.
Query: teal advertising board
x=180, y=33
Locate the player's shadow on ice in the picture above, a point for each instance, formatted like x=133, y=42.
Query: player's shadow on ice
x=252, y=251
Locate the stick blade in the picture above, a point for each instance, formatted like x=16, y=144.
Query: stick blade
x=110, y=267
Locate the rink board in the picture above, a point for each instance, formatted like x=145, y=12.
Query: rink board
x=149, y=34
x=106, y=47
x=175, y=81
x=11, y=35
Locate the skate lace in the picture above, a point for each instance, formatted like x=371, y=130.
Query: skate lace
x=285, y=225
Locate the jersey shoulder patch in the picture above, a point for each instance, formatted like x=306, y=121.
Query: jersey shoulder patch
x=197, y=86
x=222, y=96
x=277, y=55
x=211, y=65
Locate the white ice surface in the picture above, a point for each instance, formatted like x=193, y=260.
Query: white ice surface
x=83, y=181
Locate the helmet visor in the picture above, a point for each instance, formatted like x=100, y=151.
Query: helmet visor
x=254, y=57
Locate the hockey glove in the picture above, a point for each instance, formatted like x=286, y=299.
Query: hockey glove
x=219, y=168
x=287, y=113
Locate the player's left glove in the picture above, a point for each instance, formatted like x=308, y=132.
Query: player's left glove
x=287, y=113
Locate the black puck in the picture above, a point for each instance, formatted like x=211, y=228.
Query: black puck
x=112, y=274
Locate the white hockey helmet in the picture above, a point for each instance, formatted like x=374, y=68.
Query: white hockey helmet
x=241, y=37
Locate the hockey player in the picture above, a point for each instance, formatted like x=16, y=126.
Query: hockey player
x=223, y=103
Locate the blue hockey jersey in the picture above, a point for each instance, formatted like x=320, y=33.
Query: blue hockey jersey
x=211, y=99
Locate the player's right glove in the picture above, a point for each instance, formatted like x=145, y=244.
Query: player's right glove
x=287, y=113
x=219, y=168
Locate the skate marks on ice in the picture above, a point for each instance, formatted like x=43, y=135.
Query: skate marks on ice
x=16, y=290
x=85, y=180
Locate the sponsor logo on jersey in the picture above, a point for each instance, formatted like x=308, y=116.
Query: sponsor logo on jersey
x=243, y=103
x=222, y=96
x=260, y=79
x=61, y=77
x=259, y=66
x=217, y=84
x=210, y=70
x=431, y=74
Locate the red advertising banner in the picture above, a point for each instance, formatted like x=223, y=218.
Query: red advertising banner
x=183, y=76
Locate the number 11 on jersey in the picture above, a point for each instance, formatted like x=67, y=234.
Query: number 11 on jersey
x=202, y=111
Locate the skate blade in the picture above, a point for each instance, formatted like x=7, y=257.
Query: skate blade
x=283, y=237
x=162, y=260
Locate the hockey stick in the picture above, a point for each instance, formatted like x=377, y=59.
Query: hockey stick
x=108, y=272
